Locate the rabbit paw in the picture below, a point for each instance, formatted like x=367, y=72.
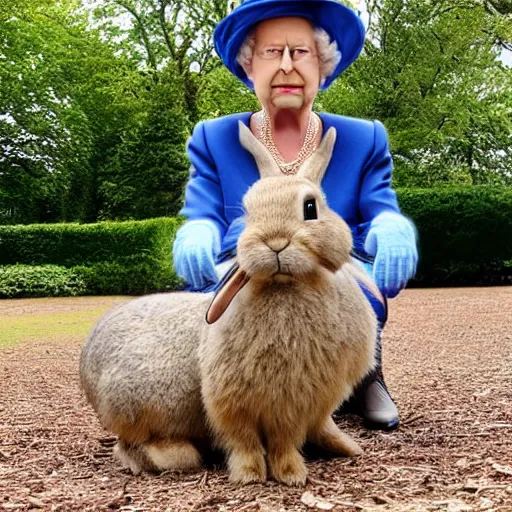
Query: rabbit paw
x=245, y=468
x=172, y=455
x=333, y=440
x=289, y=468
x=126, y=461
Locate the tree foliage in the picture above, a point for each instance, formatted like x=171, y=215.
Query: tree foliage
x=98, y=98
x=431, y=73
x=156, y=32
x=44, y=134
x=212, y=100
x=68, y=103
x=146, y=174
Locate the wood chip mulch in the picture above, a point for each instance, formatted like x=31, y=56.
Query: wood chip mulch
x=448, y=364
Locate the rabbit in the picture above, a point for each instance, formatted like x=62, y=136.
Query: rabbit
x=298, y=334
x=287, y=337
x=139, y=370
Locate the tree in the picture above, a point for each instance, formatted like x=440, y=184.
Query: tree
x=65, y=99
x=221, y=93
x=146, y=175
x=19, y=8
x=43, y=132
x=430, y=72
x=155, y=32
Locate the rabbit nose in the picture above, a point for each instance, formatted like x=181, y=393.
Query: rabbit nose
x=278, y=244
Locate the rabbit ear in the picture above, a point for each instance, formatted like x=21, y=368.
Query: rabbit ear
x=267, y=166
x=315, y=166
x=234, y=280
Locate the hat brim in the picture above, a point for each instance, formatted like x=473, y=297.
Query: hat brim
x=340, y=22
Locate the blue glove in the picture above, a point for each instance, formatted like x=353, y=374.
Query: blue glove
x=195, y=248
x=230, y=240
x=392, y=240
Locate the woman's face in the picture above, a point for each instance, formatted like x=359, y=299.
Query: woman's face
x=285, y=67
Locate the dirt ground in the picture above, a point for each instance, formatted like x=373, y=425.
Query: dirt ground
x=448, y=364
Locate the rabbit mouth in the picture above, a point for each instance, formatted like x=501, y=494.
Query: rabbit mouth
x=280, y=270
x=282, y=273
x=282, y=277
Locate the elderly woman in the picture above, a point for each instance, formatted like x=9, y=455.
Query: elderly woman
x=286, y=51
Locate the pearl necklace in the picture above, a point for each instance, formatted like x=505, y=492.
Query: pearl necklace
x=307, y=149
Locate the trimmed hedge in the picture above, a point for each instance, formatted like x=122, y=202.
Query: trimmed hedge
x=20, y=281
x=77, y=244
x=132, y=257
x=465, y=234
x=465, y=240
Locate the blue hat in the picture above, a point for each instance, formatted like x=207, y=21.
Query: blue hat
x=341, y=23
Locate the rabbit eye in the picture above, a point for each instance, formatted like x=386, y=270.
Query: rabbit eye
x=310, y=209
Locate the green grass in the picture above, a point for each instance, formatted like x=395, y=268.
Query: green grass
x=60, y=325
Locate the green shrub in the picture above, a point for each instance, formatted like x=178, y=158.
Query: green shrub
x=465, y=234
x=465, y=238
x=132, y=257
x=18, y=281
x=84, y=244
x=111, y=278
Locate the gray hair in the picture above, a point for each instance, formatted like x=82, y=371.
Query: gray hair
x=328, y=54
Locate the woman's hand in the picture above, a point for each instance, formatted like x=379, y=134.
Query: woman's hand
x=195, y=248
x=392, y=240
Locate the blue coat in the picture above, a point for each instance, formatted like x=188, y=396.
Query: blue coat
x=357, y=182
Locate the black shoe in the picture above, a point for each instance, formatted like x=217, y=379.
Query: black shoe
x=371, y=401
x=377, y=407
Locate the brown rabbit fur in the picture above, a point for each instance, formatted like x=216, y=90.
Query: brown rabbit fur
x=139, y=369
x=298, y=336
